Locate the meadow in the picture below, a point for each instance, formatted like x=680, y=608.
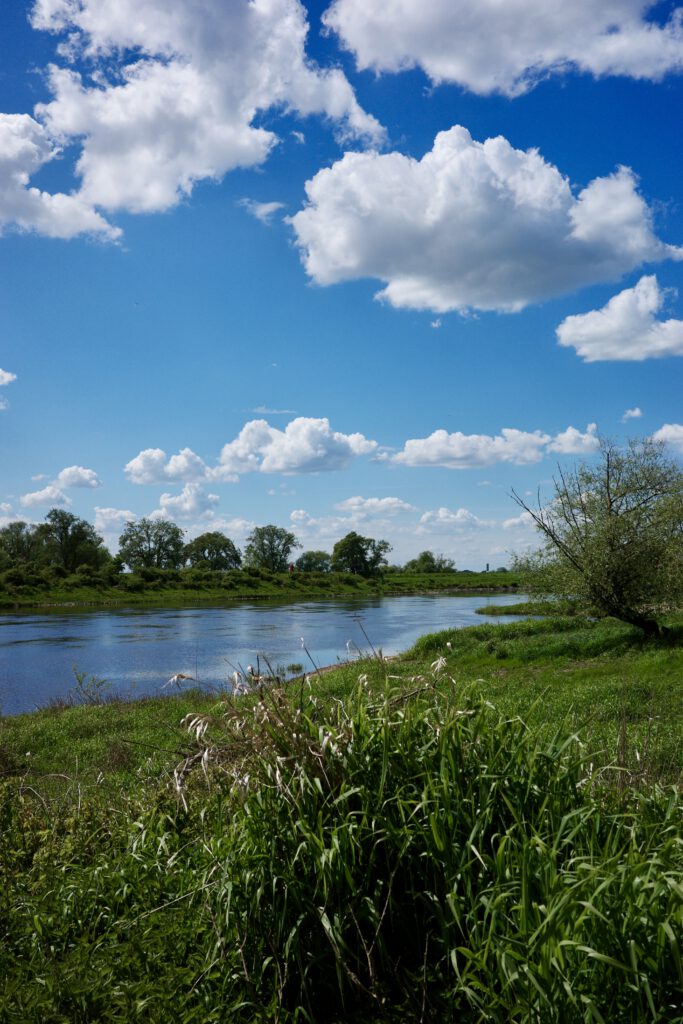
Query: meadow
x=487, y=828
x=47, y=587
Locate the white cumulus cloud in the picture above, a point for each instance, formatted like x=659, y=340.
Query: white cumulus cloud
x=6, y=514
x=186, y=467
x=53, y=493
x=632, y=414
x=25, y=146
x=572, y=442
x=108, y=519
x=6, y=377
x=147, y=467
x=151, y=466
x=671, y=434
x=110, y=523
x=173, y=96
x=78, y=476
x=488, y=46
x=192, y=502
x=373, y=507
x=306, y=445
x=471, y=225
x=448, y=520
x=469, y=451
x=523, y=521
x=626, y=328
x=50, y=495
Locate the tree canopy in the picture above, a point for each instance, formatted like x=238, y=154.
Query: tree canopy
x=361, y=555
x=69, y=541
x=427, y=561
x=19, y=543
x=152, y=544
x=213, y=550
x=613, y=534
x=314, y=561
x=269, y=547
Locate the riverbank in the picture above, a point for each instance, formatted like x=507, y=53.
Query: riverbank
x=551, y=608
x=154, y=870
x=597, y=675
x=27, y=590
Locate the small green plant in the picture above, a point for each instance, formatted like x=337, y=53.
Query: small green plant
x=89, y=689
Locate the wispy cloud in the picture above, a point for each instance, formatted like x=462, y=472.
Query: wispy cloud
x=264, y=410
x=261, y=211
x=6, y=378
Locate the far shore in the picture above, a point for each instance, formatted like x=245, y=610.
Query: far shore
x=173, y=590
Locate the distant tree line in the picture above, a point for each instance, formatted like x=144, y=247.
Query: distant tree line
x=67, y=544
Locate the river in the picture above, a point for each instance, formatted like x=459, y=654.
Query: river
x=137, y=650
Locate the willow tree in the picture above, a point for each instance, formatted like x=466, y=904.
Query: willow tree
x=613, y=534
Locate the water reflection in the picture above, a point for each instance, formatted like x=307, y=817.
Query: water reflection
x=139, y=649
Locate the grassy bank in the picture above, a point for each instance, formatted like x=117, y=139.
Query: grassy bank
x=480, y=830
x=24, y=589
x=553, y=608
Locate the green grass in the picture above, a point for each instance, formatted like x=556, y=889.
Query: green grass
x=484, y=829
x=553, y=608
x=194, y=586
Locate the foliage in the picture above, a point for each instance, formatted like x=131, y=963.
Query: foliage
x=613, y=535
x=401, y=856
x=213, y=550
x=427, y=561
x=314, y=561
x=34, y=584
x=70, y=541
x=269, y=547
x=152, y=544
x=361, y=555
x=19, y=544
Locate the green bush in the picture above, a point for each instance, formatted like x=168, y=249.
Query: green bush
x=407, y=858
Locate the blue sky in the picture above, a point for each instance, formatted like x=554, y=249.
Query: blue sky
x=334, y=266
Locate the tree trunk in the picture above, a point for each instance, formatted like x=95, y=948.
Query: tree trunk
x=650, y=627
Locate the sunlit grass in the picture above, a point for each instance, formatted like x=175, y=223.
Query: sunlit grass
x=480, y=830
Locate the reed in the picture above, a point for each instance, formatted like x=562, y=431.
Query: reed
x=406, y=851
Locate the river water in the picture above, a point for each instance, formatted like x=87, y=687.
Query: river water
x=137, y=650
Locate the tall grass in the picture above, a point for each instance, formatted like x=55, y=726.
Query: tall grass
x=402, y=855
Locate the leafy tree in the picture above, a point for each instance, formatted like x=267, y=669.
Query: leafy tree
x=70, y=541
x=314, y=561
x=269, y=547
x=213, y=550
x=19, y=543
x=152, y=544
x=613, y=535
x=361, y=555
x=427, y=561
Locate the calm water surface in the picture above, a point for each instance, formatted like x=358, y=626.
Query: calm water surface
x=137, y=650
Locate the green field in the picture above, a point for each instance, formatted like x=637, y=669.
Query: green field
x=487, y=828
x=27, y=588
